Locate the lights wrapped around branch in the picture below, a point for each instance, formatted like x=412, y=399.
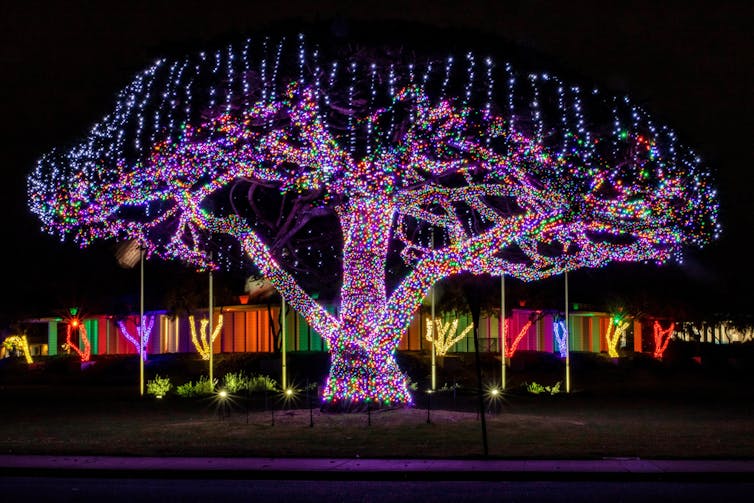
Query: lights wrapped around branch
x=19, y=343
x=84, y=350
x=201, y=341
x=445, y=335
x=561, y=337
x=616, y=330
x=512, y=343
x=140, y=341
x=662, y=338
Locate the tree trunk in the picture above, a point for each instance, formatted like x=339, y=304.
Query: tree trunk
x=363, y=370
x=361, y=378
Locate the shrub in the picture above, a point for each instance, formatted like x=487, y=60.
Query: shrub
x=537, y=389
x=159, y=386
x=202, y=387
x=233, y=382
x=261, y=383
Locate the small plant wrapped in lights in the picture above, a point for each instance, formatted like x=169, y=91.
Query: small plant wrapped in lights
x=233, y=382
x=159, y=386
x=260, y=383
x=202, y=387
x=538, y=389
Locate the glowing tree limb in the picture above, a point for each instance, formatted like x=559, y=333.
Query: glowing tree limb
x=140, y=341
x=444, y=335
x=375, y=175
x=85, y=350
x=561, y=337
x=19, y=342
x=513, y=342
x=662, y=338
x=202, y=342
x=616, y=328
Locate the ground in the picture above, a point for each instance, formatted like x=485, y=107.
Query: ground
x=627, y=408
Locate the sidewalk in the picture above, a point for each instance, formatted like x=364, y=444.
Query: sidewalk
x=377, y=469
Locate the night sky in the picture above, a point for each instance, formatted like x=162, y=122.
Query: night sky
x=689, y=63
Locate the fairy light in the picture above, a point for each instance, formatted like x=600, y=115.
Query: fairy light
x=616, y=330
x=201, y=341
x=84, y=350
x=561, y=337
x=140, y=341
x=19, y=342
x=397, y=158
x=662, y=338
x=445, y=335
x=511, y=345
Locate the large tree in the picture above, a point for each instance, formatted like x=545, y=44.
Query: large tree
x=378, y=172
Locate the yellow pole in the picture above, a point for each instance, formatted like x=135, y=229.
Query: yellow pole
x=141, y=324
x=209, y=335
x=502, y=331
x=282, y=344
x=434, y=336
x=567, y=339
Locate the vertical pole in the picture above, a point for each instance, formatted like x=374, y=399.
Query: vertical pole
x=434, y=349
x=502, y=332
x=434, y=327
x=567, y=339
x=141, y=323
x=479, y=384
x=282, y=344
x=211, y=329
x=52, y=337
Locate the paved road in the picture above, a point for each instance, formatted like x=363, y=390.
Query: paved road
x=115, y=479
x=614, y=469
x=130, y=490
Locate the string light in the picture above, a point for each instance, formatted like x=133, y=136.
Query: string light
x=20, y=343
x=445, y=335
x=662, y=338
x=202, y=342
x=616, y=330
x=512, y=343
x=394, y=159
x=561, y=337
x=141, y=340
x=85, y=349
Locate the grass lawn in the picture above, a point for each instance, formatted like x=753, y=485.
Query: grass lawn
x=631, y=414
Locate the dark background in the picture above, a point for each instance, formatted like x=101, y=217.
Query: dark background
x=688, y=62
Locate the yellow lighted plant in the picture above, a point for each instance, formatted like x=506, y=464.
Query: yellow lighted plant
x=18, y=342
x=445, y=336
x=202, y=342
x=615, y=330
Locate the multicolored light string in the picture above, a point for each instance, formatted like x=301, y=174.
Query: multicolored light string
x=427, y=172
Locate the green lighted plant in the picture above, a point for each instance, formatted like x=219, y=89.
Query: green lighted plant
x=233, y=382
x=537, y=389
x=202, y=387
x=262, y=383
x=159, y=386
